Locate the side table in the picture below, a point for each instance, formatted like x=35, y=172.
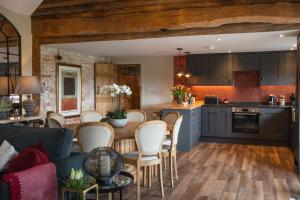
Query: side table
x=82, y=192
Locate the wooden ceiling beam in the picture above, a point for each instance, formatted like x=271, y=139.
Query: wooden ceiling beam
x=179, y=18
x=224, y=29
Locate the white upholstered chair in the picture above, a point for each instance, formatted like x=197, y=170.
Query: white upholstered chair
x=148, y=136
x=136, y=116
x=56, y=120
x=170, y=150
x=90, y=116
x=91, y=135
x=170, y=119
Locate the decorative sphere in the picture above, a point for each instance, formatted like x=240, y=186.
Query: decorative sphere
x=103, y=163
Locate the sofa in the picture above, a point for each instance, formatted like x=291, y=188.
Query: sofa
x=57, y=143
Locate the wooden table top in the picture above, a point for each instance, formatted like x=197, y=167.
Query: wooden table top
x=127, y=132
x=19, y=119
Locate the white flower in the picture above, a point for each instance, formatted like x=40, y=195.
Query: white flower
x=72, y=174
x=115, y=90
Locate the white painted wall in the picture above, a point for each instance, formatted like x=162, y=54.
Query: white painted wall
x=156, y=78
x=23, y=25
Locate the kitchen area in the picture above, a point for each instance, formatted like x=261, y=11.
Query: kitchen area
x=243, y=98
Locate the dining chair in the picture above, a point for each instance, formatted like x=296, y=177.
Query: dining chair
x=56, y=120
x=170, y=118
x=91, y=135
x=136, y=116
x=170, y=150
x=90, y=116
x=148, y=136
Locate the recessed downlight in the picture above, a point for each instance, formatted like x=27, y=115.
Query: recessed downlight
x=229, y=51
x=295, y=45
x=292, y=49
x=219, y=39
x=212, y=47
x=281, y=35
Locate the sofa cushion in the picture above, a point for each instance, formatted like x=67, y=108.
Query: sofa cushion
x=28, y=158
x=7, y=153
x=56, y=141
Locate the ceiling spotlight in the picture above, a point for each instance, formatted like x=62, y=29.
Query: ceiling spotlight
x=229, y=51
x=281, y=35
x=292, y=49
x=188, y=75
x=212, y=47
x=295, y=45
x=219, y=39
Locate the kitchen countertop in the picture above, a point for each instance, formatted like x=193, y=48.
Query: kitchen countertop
x=259, y=105
x=176, y=106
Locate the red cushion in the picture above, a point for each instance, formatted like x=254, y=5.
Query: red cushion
x=28, y=158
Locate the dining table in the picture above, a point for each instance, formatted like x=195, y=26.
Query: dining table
x=124, y=137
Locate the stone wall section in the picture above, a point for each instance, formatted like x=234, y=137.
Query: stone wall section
x=48, y=77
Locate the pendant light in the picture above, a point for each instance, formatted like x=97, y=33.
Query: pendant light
x=187, y=74
x=180, y=72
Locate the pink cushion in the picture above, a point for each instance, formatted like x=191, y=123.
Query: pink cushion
x=28, y=158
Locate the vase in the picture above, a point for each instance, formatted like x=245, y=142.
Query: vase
x=179, y=99
x=118, y=123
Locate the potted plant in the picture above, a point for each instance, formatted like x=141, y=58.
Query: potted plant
x=117, y=117
x=179, y=92
x=5, y=107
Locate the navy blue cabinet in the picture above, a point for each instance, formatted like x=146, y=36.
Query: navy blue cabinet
x=216, y=121
x=190, y=130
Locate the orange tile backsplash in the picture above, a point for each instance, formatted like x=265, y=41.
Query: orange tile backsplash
x=246, y=87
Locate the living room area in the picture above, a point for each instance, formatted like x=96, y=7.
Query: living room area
x=105, y=99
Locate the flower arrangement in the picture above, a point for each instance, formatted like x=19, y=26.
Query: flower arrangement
x=76, y=180
x=179, y=92
x=116, y=91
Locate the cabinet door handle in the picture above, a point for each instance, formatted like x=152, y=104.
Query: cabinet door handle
x=262, y=78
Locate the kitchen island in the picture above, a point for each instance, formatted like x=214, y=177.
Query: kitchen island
x=190, y=130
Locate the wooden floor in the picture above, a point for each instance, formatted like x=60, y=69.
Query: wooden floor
x=229, y=171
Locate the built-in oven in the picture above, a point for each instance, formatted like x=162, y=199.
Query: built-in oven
x=245, y=120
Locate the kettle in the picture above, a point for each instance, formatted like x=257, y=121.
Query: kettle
x=272, y=99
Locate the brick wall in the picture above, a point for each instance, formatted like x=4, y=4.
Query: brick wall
x=48, y=77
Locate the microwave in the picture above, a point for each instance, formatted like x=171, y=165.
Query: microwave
x=211, y=100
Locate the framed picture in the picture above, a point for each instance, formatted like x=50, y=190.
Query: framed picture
x=68, y=98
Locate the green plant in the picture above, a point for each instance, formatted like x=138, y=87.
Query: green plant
x=118, y=114
x=5, y=104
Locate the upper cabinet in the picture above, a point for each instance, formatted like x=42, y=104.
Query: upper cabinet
x=246, y=62
x=210, y=69
x=276, y=68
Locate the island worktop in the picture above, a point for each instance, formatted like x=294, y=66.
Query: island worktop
x=176, y=106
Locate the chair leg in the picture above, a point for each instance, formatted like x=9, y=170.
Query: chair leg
x=161, y=181
x=155, y=170
x=149, y=176
x=138, y=182
x=175, y=166
x=145, y=176
x=165, y=162
x=171, y=169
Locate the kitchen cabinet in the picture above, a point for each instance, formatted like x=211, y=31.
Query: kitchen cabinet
x=278, y=68
x=274, y=123
x=216, y=121
x=190, y=130
x=246, y=62
x=212, y=69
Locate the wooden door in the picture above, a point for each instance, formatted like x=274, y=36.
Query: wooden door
x=105, y=74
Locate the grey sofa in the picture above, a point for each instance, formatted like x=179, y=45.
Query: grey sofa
x=57, y=143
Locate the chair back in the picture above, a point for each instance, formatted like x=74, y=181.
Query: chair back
x=94, y=134
x=175, y=132
x=56, y=120
x=136, y=116
x=90, y=116
x=170, y=118
x=149, y=137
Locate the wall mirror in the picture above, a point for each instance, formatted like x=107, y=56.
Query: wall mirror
x=10, y=55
